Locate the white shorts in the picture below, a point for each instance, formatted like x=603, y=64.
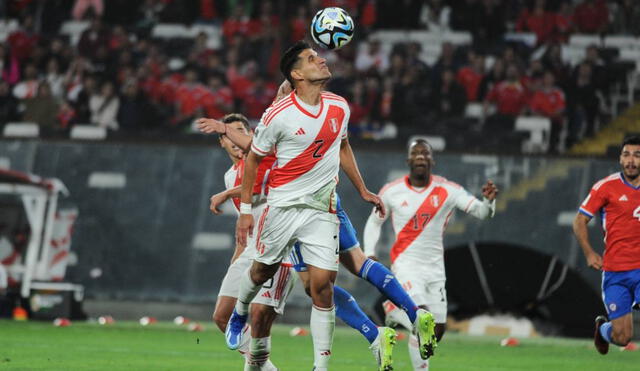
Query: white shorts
x=273, y=293
x=430, y=294
x=317, y=232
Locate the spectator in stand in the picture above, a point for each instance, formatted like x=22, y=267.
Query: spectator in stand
x=28, y=87
x=188, y=99
x=43, y=108
x=55, y=79
x=471, y=76
x=510, y=97
x=582, y=105
x=445, y=61
x=449, y=98
x=9, y=66
x=626, y=18
x=539, y=20
x=549, y=101
x=66, y=115
x=8, y=104
x=434, y=16
x=24, y=40
x=564, y=21
x=259, y=97
x=599, y=69
x=299, y=25
x=552, y=60
x=82, y=7
x=81, y=96
x=92, y=39
x=135, y=112
x=591, y=16
x=236, y=23
x=218, y=100
x=372, y=58
x=496, y=75
x=104, y=107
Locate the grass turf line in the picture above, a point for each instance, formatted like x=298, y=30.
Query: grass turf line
x=165, y=346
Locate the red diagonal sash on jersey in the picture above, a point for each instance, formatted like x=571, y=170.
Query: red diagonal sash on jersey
x=419, y=221
x=265, y=165
x=305, y=161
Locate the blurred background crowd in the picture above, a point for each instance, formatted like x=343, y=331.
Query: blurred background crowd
x=108, y=64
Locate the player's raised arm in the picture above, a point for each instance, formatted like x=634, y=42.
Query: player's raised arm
x=350, y=167
x=480, y=209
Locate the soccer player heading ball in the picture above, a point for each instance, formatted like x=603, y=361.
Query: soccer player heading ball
x=616, y=199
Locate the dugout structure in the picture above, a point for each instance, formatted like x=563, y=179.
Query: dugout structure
x=39, y=270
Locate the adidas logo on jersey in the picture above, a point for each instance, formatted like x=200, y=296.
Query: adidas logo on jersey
x=623, y=198
x=300, y=132
x=404, y=203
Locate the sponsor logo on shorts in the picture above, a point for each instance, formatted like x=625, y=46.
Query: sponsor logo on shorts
x=613, y=307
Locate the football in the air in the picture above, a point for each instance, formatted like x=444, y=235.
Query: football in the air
x=332, y=28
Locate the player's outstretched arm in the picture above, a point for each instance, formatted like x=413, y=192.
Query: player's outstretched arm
x=580, y=229
x=480, y=209
x=350, y=167
x=220, y=198
x=238, y=138
x=245, y=221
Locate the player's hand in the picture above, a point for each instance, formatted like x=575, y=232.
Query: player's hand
x=284, y=90
x=594, y=260
x=244, y=227
x=210, y=126
x=217, y=200
x=375, y=200
x=490, y=191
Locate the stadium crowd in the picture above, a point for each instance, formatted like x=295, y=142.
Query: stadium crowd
x=120, y=77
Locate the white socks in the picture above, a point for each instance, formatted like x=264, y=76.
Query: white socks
x=246, y=292
x=258, y=357
x=418, y=363
x=396, y=316
x=322, y=322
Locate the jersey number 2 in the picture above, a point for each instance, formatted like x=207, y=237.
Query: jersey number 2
x=636, y=213
x=319, y=143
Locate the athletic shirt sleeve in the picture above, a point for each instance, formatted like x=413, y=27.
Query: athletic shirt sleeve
x=265, y=136
x=345, y=123
x=595, y=201
x=463, y=200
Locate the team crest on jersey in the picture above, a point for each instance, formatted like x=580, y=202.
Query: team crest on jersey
x=435, y=201
x=333, y=124
x=613, y=307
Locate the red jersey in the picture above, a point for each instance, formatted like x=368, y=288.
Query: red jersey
x=548, y=103
x=618, y=204
x=470, y=79
x=509, y=97
x=260, y=186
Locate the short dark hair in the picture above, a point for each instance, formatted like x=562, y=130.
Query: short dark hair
x=417, y=141
x=633, y=140
x=233, y=117
x=290, y=57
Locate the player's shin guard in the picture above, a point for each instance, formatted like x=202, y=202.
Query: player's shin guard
x=414, y=353
x=246, y=292
x=259, y=354
x=245, y=343
x=388, y=285
x=323, y=322
x=347, y=309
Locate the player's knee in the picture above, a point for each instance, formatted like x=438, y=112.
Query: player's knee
x=260, y=273
x=322, y=293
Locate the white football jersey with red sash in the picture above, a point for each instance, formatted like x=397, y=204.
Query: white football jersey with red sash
x=306, y=145
x=419, y=218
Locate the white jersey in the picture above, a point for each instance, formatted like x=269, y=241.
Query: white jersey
x=307, y=148
x=419, y=218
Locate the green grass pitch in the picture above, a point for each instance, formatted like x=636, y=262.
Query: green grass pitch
x=165, y=346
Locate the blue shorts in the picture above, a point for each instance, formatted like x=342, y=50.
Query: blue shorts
x=620, y=292
x=348, y=239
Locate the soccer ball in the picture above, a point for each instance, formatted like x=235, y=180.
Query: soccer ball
x=332, y=28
